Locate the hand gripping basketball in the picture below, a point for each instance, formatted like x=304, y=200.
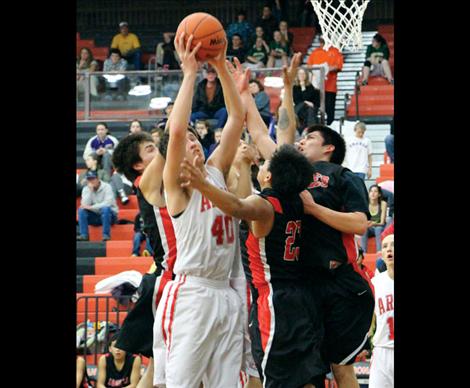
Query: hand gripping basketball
x=188, y=57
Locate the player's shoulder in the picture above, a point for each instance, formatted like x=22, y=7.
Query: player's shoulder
x=380, y=278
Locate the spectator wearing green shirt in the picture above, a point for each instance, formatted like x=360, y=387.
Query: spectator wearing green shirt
x=257, y=56
x=377, y=60
x=279, y=51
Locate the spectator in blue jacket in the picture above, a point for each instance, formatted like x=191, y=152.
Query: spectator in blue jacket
x=241, y=27
x=261, y=100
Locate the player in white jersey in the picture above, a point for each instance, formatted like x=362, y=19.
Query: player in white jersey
x=382, y=365
x=200, y=314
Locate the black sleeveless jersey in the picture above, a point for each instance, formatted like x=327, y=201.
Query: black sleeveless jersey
x=115, y=378
x=336, y=188
x=275, y=257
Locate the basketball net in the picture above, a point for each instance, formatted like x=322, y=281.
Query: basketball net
x=341, y=24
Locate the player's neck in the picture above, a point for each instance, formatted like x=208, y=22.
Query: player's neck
x=391, y=272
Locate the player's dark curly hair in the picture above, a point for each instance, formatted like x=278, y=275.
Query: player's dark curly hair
x=331, y=137
x=126, y=154
x=291, y=171
x=163, y=146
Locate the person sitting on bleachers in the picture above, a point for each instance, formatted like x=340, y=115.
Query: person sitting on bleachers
x=103, y=145
x=279, y=54
x=128, y=45
x=139, y=236
x=157, y=134
x=284, y=30
x=135, y=127
x=208, y=100
x=376, y=64
x=257, y=55
x=261, y=100
x=206, y=135
x=115, y=64
x=86, y=62
x=236, y=48
x=92, y=165
x=306, y=100
x=267, y=21
x=118, y=368
x=98, y=207
x=166, y=55
x=376, y=224
x=241, y=27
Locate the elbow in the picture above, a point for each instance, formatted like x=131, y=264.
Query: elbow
x=361, y=226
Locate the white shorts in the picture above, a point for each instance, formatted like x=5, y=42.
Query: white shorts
x=198, y=321
x=381, y=368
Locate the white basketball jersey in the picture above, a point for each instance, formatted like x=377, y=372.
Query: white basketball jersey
x=205, y=237
x=384, y=310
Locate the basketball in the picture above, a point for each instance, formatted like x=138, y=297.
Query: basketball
x=206, y=29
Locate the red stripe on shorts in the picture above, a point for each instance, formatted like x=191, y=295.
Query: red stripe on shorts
x=173, y=308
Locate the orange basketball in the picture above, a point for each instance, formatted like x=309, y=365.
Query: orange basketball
x=206, y=29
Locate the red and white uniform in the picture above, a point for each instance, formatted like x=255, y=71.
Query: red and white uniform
x=199, y=318
x=382, y=365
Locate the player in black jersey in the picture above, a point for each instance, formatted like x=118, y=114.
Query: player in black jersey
x=285, y=329
x=118, y=368
x=137, y=157
x=337, y=208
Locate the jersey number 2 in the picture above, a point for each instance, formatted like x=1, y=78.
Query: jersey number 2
x=292, y=229
x=218, y=229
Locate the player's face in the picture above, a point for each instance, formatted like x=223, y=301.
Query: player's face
x=388, y=250
x=312, y=146
x=147, y=152
x=193, y=147
x=118, y=354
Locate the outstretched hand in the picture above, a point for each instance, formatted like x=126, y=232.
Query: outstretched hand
x=288, y=74
x=187, y=56
x=241, y=76
x=191, y=176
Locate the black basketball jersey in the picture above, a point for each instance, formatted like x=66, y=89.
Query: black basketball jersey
x=336, y=188
x=276, y=257
x=115, y=378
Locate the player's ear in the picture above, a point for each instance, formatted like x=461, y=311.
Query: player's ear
x=139, y=166
x=329, y=148
x=268, y=177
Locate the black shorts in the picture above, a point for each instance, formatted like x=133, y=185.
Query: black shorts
x=346, y=303
x=286, y=335
x=136, y=334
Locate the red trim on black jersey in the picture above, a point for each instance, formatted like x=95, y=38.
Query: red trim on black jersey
x=137, y=181
x=351, y=252
x=276, y=204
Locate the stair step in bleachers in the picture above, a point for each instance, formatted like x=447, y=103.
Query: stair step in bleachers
x=114, y=265
x=92, y=249
x=118, y=232
x=118, y=248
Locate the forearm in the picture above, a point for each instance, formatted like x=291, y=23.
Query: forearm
x=285, y=132
x=243, y=188
x=233, y=102
x=343, y=222
x=178, y=123
x=225, y=201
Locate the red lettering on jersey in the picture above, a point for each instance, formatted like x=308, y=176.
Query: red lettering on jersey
x=205, y=204
x=381, y=307
x=319, y=180
x=389, y=299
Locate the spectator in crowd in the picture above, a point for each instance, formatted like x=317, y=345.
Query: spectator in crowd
x=166, y=55
x=86, y=62
x=287, y=35
x=359, y=152
x=98, y=207
x=241, y=27
x=376, y=64
x=157, y=134
x=217, y=137
x=162, y=123
x=334, y=59
x=140, y=236
x=102, y=145
x=267, y=21
x=259, y=33
x=115, y=64
x=279, y=54
x=135, y=127
x=81, y=373
x=92, y=164
x=261, y=100
x=376, y=224
x=306, y=100
x=118, y=368
x=257, y=55
x=236, y=49
x=206, y=136
x=389, y=143
x=128, y=45
x=208, y=101
x=308, y=17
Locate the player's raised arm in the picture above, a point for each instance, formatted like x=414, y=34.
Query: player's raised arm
x=285, y=132
x=253, y=208
x=223, y=155
x=178, y=124
x=151, y=181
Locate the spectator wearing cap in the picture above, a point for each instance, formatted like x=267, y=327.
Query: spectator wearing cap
x=92, y=165
x=98, y=207
x=103, y=145
x=208, y=101
x=129, y=45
